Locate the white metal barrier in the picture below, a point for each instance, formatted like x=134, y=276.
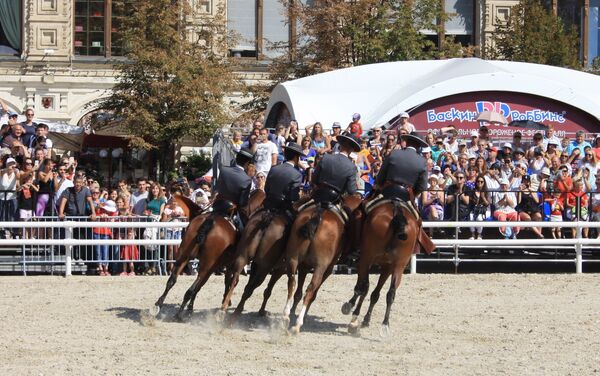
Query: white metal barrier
x=69, y=242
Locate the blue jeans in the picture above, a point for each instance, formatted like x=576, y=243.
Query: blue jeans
x=102, y=250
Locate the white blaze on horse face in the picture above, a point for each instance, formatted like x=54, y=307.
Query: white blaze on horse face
x=300, y=320
x=288, y=307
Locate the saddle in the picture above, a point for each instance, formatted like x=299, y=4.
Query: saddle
x=336, y=209
x=226, y=209
x=423, y=240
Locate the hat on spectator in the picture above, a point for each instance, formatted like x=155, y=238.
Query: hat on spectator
x=10, y=160
x=336, y=125
x=426, y=149
x=496, y=166
x=552, y=142
x=437, y=168
x=494, y=149
x=519, y=150
x=109, y=206
x=522, y=165
x=462, y=143
x=474, y=133
x=507, y=145
x=356, y=116
x=404, y=115
x=504, y=181
x=545, y=171
x=517, y=133
x=597, y=136
x=261, y=173
x=12, y=113
x=472, y=156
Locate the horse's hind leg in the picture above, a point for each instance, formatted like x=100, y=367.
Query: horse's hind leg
x=230, y=284
x=275, y=276
x=298, y=294
x=383, y=276
x=391, y=295
x=190, y=294
x=292, y=269
x=309, y=296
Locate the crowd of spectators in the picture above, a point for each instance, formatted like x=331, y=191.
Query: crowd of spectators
x=476, y=179
x=38, y=184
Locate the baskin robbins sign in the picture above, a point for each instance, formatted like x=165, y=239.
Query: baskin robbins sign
x=461, y=110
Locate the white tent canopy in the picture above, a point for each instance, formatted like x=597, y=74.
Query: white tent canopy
x=379, y=92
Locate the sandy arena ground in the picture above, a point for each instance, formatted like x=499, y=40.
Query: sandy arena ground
x=441, y=325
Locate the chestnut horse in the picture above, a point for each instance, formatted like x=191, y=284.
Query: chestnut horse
x=210, y=238
x=263, y=242
x=316, y=242
x=380, y=246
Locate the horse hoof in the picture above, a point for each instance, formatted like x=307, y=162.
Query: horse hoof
x=262, y=313
x=365, y=324
x=346, y=308
x=384, y=331
x=294, y=330
x=220, y=316
x=155, y=310
x=353, y=329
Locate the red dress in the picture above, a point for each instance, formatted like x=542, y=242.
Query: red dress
x=130, y=252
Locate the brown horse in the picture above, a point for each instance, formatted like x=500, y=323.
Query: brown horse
x=316, y=242
x=263, y=242
x=211, y=238
x=380, y=246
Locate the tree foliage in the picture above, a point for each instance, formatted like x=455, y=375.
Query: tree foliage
x=173, y=83
x=334, y=34
x=533, y=34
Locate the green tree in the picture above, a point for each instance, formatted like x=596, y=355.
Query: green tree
x=173, y=83
x=533, y=34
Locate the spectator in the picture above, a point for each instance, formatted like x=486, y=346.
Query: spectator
x=292, y=134
x=479, y=205
x=41, y=140
x=505, y=209
x=529, y=205
x=457, y=199
x=484, y=133
x=481, y=165
x=472, y=174
x=138, y=199
x=551, y=137
x=103, y=211
x=482, y=149
x=280, y=142
x=16, y=136
x=129, y=253
x=390, y=145
x=236, y=140
x=201, y=196
x=430, y=140
x=266, y=153
x=576, y=208
x=320, y=142
x=405, y=125
x=433, y=201
x=259, y=180
x=44, y=178
x=156, y=201
x=355, y=127
x=29, y=125
x=252, y=140
x=123, y=190
x=595, y=201
x=596, y=147
x=451, y=143
x=61, y=182
x=473, y=145
x=563, y=182
x=519, y=157
x=73, y=200
x=557, y=206
x=376, y=137
x=9, y=183
x=551, y=151
x=577, y=147
x=172, y=213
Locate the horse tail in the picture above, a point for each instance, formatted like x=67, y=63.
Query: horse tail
x=309, y=229
x=204, y=229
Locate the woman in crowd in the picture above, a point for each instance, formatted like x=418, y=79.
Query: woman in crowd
x=505, y=204
x=123, y=190
x=45, y=183
x=389, y=145
x=236, y=140
x=9, y=183
x=319, y=141
x=458, y=199
x=481, y=165
x=25, y=195
x=538, y=162
x=292, y=134
x=155, y=207
x=433, y=200
x=336, y=130
x=479, y=205
x=529, y=205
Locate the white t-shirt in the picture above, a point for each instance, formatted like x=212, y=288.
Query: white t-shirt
x=66, y=183
x=264, y=156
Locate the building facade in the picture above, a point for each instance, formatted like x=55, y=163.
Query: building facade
x=57, y=56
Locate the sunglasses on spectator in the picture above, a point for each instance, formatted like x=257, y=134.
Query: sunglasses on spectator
x=29, y=115
x=480, y=181
x=95, y=193
x=460, y=177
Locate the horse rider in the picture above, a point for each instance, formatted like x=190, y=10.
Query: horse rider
x=403, y=174
x=335, y=174
x=234, y=184
x=284, y=181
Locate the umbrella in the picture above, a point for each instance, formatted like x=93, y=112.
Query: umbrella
x=491, y=117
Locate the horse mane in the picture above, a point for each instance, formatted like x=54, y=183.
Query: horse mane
x=309, y=229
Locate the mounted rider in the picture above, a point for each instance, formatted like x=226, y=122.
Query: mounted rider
x=284, y=181
x=233, y=184
x=335, y=175
x=403, y=176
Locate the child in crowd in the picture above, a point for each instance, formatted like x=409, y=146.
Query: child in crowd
x=129, y=253
x=556, y=212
